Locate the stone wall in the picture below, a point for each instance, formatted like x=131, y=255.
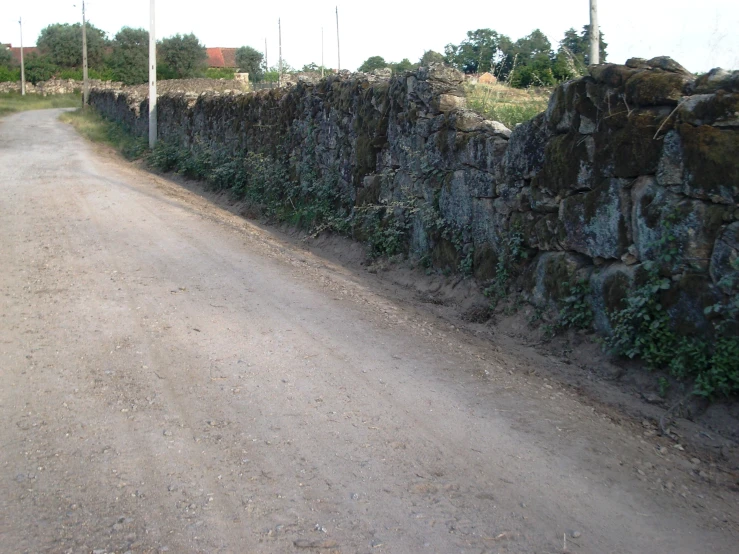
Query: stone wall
x=57, y=86
x=630, y=164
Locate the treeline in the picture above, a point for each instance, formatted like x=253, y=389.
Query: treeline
x=122, y=58
x=528, y=61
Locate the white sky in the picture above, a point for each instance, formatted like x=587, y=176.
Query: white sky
x=700, y=35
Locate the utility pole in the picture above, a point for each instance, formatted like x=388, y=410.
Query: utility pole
x=338, y=45
x=266, y=60
x=279, y=66
x=321, y=52
x=85, y=80
x=594, y=33
x=152, y=78
x=23, y=67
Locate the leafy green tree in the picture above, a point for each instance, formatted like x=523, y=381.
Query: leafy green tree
x=372, y=63
x=249, y=61
x=313, y=68
x=6, y=58
x=182, y=57
x=129, y=60
x=429, y=57
x=39, y=68
x=477, y=53
x=9, y=74
x=403, y=65
x=528, y=62
x=62, y=43
x=577, y=46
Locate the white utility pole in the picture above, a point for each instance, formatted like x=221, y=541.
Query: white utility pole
x=23, y=67
x=338, y=45
x=279, y=43
x=594, y=33
x=85, y=80
x=266, y=60
x=321, y=52
x=152, y=79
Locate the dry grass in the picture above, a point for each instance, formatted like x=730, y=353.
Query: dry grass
x=13, y=102
x=508, y=105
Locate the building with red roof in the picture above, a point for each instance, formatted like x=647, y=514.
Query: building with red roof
x=222, y=57
x=16, y=51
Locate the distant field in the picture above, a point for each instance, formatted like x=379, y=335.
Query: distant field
x=508, y=105
x=13, y=102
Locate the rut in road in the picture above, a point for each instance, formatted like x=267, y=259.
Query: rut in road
x=177, y=379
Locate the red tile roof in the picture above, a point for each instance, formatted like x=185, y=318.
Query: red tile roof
x=221, y=57
x=16, y=51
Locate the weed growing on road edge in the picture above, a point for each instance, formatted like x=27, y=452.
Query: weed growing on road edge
x=643, y=328
x=576, y=310
x=509, y=258
x=92, y=126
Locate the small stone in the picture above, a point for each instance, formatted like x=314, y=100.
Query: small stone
x=167, y=433
x=695, y=461
x=575, y=534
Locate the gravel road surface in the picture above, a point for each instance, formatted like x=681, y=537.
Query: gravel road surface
x=175, y=378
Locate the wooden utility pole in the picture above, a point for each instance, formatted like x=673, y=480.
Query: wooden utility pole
x=279, y=45
x=23, y=66
x=85, y=80
x=152, y=78
x=594, y=33
x=338, y=44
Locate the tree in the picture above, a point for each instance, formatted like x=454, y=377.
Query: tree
x=403, y=65
x=372, y=63
x=249, y=61
x=477, y=52
x=429, y=57
x=129, y=59
x=577, y=47
x=39, y=68
x=182, y=57
x=6, y=58
x=313, y=68
x=531, y=63
x=62, y=43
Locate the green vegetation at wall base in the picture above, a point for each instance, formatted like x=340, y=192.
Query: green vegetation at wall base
x=93, y=127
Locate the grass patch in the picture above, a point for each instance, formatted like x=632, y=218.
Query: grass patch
x=11, y=102
x=508, y=105
x=93, y=127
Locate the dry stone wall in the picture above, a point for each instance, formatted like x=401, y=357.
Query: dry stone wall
x=56, y=86
x=630, y=165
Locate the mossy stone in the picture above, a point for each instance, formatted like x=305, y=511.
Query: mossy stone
x=711, y=162
x=484, y=262
x=656, y=87
x=631, y=150
x=686, y=302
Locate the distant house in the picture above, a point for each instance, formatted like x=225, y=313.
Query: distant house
x=16, y=51
x=222, y=57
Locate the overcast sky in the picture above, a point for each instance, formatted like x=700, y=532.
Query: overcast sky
x=700, y=35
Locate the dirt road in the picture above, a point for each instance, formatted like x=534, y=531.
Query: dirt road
x=176, y=379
